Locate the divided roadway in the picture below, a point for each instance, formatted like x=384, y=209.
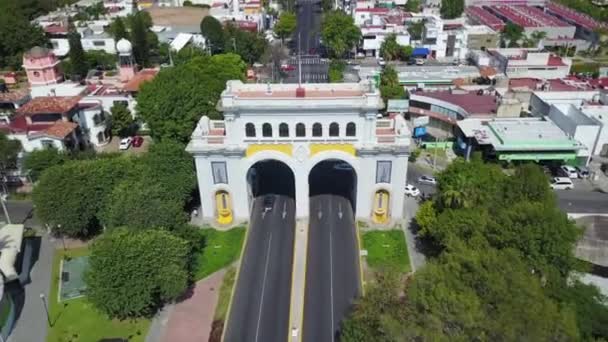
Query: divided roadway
x=260, y=306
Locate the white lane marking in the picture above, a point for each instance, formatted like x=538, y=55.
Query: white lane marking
x=320, y=212
x=257, y=329
x=331, y=280
x=340, y=210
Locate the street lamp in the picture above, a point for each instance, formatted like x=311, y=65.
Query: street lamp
x=46, y=309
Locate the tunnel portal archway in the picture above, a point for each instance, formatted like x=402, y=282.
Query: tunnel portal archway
x=334, y=177
x=270, y=177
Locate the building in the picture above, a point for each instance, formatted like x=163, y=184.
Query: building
x=519, y=62
x=42, y=67
x=586, y=26
x=480, y=37
x=300, y=128
x=519, y=139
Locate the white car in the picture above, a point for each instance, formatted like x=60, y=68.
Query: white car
x=125, y=144
x=424, y=179
x=381, y=61
x=569, y=171
x=412, y=191
x=561, y=183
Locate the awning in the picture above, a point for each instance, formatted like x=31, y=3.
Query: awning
x=420, y=52
x=537, y=156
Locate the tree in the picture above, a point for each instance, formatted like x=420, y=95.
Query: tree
x=175, y=100
x=141, y=205
x=9, y=150
x=118, y=30
x=132, y=273
x=250, y=46
x=451, y=9
x=336, y=71
x=390, y=88
x=39, y=160
x=390, y=50
x=286, y=25
x=413, y=5
x=77, y=56
x=511, y=35
x=213, y=32
x=415, y=29
x=339, y=33
x=18, y=34
x=141, y=39
x=122, y=120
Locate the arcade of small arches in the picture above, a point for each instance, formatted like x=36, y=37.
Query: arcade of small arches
x=300, y=130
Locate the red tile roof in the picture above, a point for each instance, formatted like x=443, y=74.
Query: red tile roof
x=49, y=104
x=144, y=75
x=56, y=29
x=60, y=129
x=470, y=102
x=14, y=95
x=373, y=10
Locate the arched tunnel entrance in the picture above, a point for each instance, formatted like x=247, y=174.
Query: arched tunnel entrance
x=334, y=177
x=332, y=269
x=270, y=177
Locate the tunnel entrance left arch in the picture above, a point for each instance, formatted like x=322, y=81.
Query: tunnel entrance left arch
x=270, y=177
x=334, y=177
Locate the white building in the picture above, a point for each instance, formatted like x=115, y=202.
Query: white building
x=300, y=128
x=518, y=62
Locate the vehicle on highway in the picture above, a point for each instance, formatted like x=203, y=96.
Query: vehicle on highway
x=125, y=144
x=137, y=141
x=342, y=167
x=411, y=191
x=288, y=67
x=569, y=171
x=583, y=172
x=424, y=179
x=268, y=203
x=561, y=183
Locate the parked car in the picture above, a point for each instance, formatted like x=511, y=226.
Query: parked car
x=268, y=203
x=381, y=61
x=583, y=172
x=412, y=191
x=137, y=141
x=561, y=183
x=125, y=144
x=288, y=67
x=419, y=61
x=343, y=167
x=569, y=171
x=424, y=179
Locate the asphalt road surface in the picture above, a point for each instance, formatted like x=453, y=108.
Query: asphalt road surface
x=260, y=308
x=332, y=269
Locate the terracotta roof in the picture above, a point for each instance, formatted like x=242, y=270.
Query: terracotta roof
x=60, y=129
x=471, y=102
x=13, y=95
x=49, y=104
x=56, y=29
x=144, y=75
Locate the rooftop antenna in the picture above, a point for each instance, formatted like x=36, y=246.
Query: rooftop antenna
x=299, y=60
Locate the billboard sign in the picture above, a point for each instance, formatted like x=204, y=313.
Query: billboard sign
x=419, y=131
x=420, y=121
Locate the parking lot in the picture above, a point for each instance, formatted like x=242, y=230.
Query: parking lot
x=112, y=146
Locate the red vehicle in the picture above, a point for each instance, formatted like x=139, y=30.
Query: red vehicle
x=137, y=141
x=288, y=67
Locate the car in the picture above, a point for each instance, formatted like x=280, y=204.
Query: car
x=137, y=141
x=419, y=61
x=411, y=191
x=582, y=171
x=561, y=183
x=379, y=116
x=424, y=179
x=381, y=61
x=268, y=203
x=342, y=167
x=288, y=67
x=125, y=144
x=569, y=171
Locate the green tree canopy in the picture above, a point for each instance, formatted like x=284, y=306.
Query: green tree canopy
x=511, y=35
x=133, y=272
x=39, y=160
x=413, y=5
x=213, y=32
x=176, y=99
x=118, y=30
x=339, y=33
x=390, y=50
x=415, y=29
x=9, y=149
x=122, y=120
x=390, y=88
x=78, y=61
x=250, y=46
x=18, y=34
x=286, y=25
x=451, y=9
x=141, y=38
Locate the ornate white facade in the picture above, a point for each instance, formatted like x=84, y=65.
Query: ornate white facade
x=300, y=127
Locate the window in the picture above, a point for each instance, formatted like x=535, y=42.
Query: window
x=100, y=137
x=383, y=171
x=250, y=130
x=351, y=129
x=46, y=143
x=36, y=74
x=317, y=130
x=120, y=102
x=334, y=129
x=300, y=130
x=266, y=130
x=283, y=130
x=99, y=43
x=220, y=176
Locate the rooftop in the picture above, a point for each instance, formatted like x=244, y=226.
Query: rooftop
x=177, y=16
x=145, y=75
x=14, y=95
x=59, y=129
x=49, y=104
x=471, y=102
x=573, y=16
x=242, y=90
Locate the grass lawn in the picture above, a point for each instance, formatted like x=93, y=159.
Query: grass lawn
x=221, y=310
x=221, y=249
x=386, y=249
x=76, y=320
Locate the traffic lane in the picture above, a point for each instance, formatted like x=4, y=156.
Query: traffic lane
x=260, y=308
x=332, y=271
x=576, y=201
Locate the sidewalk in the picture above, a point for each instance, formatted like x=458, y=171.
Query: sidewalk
x=189, y=320
x=298, y=281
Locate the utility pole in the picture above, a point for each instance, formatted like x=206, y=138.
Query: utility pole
x=299, y=59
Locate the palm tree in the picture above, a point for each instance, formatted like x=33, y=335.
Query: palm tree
x=537, y=36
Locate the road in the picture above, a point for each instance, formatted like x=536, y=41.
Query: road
x=332, y=270
x=260, y=308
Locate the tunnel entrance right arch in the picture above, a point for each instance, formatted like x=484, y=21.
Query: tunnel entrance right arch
x=334, y=177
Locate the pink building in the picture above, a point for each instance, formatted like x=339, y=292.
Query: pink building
x=42, y=67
